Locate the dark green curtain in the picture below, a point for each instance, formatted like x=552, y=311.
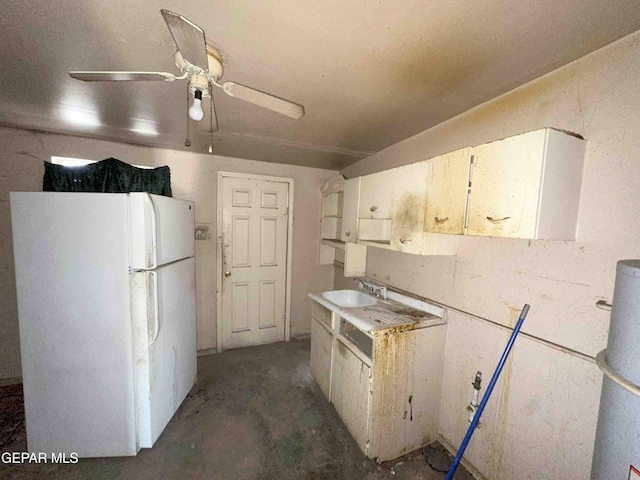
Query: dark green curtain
x=109, y=176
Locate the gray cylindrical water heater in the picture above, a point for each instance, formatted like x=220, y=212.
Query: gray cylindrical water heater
x=617, y=448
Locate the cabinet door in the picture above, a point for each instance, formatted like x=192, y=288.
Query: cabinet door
x=350, y=203
x=505, y=188
x=375, y=208
x=350, y=392
x=407, y=216
x=321, y=353
x=446, y=192
x=376, y=195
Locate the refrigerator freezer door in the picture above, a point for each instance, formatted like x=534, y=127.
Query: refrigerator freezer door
x=164, y=318
x=161, y=230
x=72, y=276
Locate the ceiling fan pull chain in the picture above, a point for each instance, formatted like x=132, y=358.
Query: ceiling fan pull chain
x=187, y=142
x=211, y=111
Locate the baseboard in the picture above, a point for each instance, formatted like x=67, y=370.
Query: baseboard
x=207, y=351
x=10, y=381
x=470, y=468
x=301, y=336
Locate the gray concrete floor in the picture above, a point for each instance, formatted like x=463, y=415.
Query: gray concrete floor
x=254, y=413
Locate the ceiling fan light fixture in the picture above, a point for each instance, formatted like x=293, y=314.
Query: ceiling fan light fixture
x=200, y=62
x=195, y=112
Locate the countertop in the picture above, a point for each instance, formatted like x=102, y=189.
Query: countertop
x=385, y=314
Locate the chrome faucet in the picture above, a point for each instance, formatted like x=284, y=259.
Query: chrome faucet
x=380, y=292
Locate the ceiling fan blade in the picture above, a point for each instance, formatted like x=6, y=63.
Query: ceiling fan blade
x=188, y=37
x=122, y=76
x=280, y=105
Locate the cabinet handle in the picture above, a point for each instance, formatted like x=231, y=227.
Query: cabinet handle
x=497, y=220
x=441, y=220
x=347, y=234
x=603, y=305
x=404, y=240
x=373, y=208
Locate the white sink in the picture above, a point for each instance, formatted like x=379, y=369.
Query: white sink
x=349, y=298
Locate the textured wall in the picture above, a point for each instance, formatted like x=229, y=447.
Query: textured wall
x=194, y=177
x=548, y=401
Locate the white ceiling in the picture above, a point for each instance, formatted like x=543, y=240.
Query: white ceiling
x=369, y=73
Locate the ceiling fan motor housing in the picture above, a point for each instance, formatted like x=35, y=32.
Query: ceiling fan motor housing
x=199, y=82
x=214, y=59
x=198, y=78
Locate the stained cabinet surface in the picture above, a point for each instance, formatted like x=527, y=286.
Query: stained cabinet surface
x=447, y=185
x=389, y=401
x=527, y=186
x=407, y=216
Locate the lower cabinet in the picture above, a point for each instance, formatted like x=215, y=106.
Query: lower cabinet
x=350, y=392
x=389, y=401
x=405, y=390
x=321, y=352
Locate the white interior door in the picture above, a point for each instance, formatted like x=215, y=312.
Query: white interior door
x=254, y=261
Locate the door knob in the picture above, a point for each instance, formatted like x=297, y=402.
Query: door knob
x=227, y=274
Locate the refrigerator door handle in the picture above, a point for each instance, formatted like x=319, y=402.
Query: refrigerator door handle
x=156, y=308
x=154, y=230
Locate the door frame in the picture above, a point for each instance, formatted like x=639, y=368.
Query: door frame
x=287, y=300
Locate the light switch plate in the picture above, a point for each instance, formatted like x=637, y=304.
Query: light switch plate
x=201, y=232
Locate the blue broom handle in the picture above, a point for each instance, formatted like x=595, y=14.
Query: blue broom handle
x=487, y=393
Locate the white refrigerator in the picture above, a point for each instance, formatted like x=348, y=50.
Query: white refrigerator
x=106, y=305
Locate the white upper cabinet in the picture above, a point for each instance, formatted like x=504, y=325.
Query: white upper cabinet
x=447, y=186
x=350, y=204
x=376, y=195
x=407, y=209
x=375, y=208
x=392, y=212
x=527, y=186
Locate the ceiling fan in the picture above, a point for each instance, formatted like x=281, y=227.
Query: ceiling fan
x=202, y=65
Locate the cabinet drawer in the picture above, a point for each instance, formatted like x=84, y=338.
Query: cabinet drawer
x=376, y=230
x=321, y=314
